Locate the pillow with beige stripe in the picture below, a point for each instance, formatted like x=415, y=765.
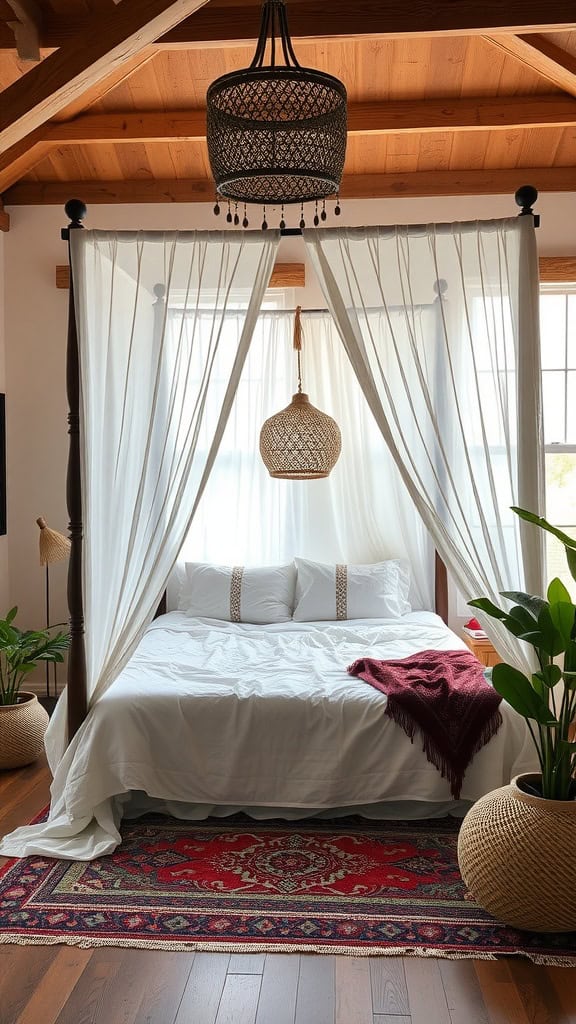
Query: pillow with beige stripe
x=257, y=594
x=333, y=592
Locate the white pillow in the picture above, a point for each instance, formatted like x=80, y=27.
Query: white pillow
x=333, y=592
x=240, y=593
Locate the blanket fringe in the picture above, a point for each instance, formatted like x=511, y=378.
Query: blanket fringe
x=541, y=959
x=435, y=756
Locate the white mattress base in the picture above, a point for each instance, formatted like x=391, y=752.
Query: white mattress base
x=136, y=804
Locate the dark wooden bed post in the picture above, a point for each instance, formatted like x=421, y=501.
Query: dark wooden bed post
x=440, y=588
x=76, y=678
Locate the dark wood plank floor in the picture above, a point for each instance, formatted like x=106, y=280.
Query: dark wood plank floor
x=64, y=985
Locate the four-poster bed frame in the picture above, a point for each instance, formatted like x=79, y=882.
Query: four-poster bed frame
x=76, y=676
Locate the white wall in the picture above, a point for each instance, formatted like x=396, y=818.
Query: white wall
x=35, y=330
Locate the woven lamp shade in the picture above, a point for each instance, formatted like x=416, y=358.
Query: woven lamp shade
x=54, y=546
x=300, y=442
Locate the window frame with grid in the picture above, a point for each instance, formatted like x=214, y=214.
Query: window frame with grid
x=562, y=441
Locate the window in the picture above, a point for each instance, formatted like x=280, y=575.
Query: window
x=558, y=338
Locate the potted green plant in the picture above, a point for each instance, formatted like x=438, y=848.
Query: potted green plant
x=517, y=845
x=23, y=720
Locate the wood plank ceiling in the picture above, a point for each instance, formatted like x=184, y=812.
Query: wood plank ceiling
x=444, y=98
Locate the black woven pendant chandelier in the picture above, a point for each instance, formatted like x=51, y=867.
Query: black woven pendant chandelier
x=276, y=132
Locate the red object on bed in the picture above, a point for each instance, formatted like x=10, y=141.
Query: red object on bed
x=444, y=696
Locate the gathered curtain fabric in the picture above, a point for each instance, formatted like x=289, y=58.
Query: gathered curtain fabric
x=361, y=513
x=440, y=323
x=147, y=395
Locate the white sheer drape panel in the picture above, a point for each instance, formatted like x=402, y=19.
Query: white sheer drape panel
x=147, y=395
x=430, y=317
x=361, y=513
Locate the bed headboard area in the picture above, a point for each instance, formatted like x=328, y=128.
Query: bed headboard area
x=169, y=600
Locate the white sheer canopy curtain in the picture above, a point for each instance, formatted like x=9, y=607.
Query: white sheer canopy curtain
x=440, y=323
x=147, y=394
x=361, y=513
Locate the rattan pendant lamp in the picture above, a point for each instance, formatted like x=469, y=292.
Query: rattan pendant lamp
x=276, y=133
x=300, y=442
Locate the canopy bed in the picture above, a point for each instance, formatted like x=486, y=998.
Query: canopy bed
x=455, y=395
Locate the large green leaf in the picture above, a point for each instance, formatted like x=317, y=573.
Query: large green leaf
x=535, y=638
x=552, y=642
x=522, y=616
x=10, y=635
x=26, y=667
x=531, y=517
x=488, y=606
x=571, y=559
x=550, y=675
x=540, y=687
x=518, y=691
x=532, y=603
x=557, y=592
x=562, y=614
x=491, y=609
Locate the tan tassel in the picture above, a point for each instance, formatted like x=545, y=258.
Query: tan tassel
x=298, y=330
x=54, y=546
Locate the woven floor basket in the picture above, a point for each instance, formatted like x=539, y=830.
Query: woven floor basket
x=517, y=855
x=22, y=728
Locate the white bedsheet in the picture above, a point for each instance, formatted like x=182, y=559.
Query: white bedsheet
x=220, y=714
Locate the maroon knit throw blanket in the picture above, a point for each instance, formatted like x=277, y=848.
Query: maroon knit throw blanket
x=444, y=696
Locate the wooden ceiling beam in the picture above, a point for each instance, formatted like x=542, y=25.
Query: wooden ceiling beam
x=284, y=275
x=334, y=19
x=557, y=268
x=225, y=24
x=106, y=43
x=364, y=118
x=354, y=186
x=541, y=55
x=33, y=148
x=21, y=158
x=26, y=28
x=483, y=114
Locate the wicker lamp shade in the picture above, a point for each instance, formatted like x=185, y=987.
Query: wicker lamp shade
x=54, y=546
x=300, y=442
x=276, y=134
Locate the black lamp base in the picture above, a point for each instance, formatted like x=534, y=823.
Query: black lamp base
x=48, y=703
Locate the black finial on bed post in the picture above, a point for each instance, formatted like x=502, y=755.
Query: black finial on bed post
x=525, y=198
x=76, y=677
x=76, y=210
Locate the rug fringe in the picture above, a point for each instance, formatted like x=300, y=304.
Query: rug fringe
x=540, y=959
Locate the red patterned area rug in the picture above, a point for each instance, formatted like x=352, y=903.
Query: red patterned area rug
x=236, y=885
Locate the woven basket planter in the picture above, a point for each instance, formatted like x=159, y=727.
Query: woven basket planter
x=517, y=855
x=22, y=728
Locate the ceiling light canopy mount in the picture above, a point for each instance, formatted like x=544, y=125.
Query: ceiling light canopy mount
x=276, y=132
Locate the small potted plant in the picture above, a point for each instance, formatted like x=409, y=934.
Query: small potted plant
x=517, y=844
x=23, y=720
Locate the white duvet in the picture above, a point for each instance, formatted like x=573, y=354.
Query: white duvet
x=211, y=716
